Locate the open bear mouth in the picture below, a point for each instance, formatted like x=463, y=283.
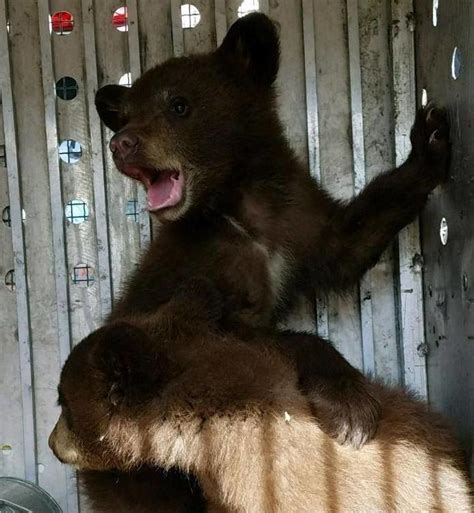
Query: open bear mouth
x=165, y=187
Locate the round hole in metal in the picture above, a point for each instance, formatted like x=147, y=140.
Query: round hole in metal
x=120, y=19
x=424, y=98
x=435, y=12
x=70, y=151
x=66, y=88
x=83, y=275
x=10, y=280
x=126, y=80
x=76, y=211
x=456, y=63
x=443, y=231
x=248, y=6
x=190, y=16
x=61, y=23
x=6, y=216
x=6, y=449
x=132, y=211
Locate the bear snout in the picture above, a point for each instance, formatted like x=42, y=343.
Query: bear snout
x=60, y=442
x=124, y=144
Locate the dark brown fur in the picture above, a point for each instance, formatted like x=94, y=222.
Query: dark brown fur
x=141, y=492
x=253, y=205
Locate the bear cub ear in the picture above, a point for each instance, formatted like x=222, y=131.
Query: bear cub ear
x=108, y=102
x=252, y=47
x=135, y=368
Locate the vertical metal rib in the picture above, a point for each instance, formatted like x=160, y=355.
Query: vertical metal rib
x=312, y=117
x=18, y=241
x=264, y=7
x=411, y=292
x=358, y=152
x=221, y=20
x=177, y=28
x=57, y=213
x=97, y=161
x=135, y=70
x=57, y=216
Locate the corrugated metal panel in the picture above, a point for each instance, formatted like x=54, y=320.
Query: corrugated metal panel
x=376, y=74
x=410, y=290
x=345, y=87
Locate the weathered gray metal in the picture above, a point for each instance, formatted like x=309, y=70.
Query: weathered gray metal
x=410, y=291
x=347, y=100
x=19, y=253
x=449, y=267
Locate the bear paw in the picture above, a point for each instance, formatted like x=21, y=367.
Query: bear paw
x=430, y=141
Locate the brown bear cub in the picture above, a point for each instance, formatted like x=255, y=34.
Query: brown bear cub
x=203, y=136
x=231, y=412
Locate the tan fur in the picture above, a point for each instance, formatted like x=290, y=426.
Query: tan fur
x=234, y=417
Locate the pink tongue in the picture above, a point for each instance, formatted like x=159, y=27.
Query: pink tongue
x=166, y=191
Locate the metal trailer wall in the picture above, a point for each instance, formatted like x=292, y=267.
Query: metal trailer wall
x=347, y=98
x=445, y=43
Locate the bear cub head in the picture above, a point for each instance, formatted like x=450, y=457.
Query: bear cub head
x=109, y=376
x=187, y=128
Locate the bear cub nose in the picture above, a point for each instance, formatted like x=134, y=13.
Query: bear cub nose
x=124, y=144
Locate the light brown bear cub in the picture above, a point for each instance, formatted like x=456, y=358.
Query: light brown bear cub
x=231, y=413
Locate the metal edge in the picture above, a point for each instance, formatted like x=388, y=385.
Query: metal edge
x=57, y=213
x=135, y=70
x=221, y=20
x=358, y=155
x=177, y=28
x=264, y=6
x=57, y=216
x=411, y=291
x=97, y=161
x=312, y=120
x=18, y=242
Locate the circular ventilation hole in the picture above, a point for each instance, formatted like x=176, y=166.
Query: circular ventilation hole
x=76, y=211
x=66, y=88
x=435, y=12
x=6, y=449
x=61, y=23
x=83, y=275
x=10, y=280
x=424, y=98
x=6, y=216
x=3, y=156
x=248, y=6
x=126, y=80
x=456, y=63
x=190, y=16
x=132, y=212
x=120, y=19
x=70, y=151
x=443, y=231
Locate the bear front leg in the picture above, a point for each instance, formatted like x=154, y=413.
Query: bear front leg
x=343, y=401
x=359, y=231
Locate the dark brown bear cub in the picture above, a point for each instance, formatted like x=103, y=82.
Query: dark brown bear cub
x=203, y=136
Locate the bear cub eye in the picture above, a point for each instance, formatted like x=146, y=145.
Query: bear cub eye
x=180, y=106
